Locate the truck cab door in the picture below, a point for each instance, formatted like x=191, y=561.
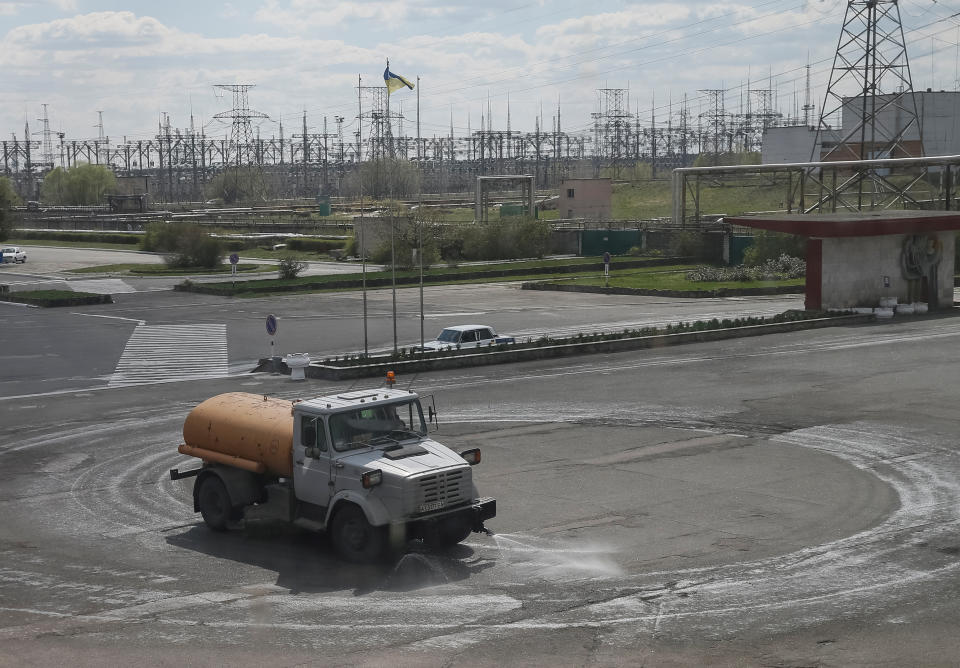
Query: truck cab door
x=311, y=461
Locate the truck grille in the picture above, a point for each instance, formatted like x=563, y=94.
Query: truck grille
x=439, y=490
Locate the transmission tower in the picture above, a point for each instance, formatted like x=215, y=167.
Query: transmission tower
x=716, y=122
x=807, y=103
x=47, y=139
x=375, y=109
x=870, y=90
x=612, y=127
x=241, y=129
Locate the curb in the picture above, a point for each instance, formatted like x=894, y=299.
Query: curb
x=720, y=292
x=331, y=372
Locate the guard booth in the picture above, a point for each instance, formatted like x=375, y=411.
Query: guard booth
x=856, y=259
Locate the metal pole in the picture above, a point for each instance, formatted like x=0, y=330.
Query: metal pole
x=420, y=212
x=363, y=254
x=393, y=273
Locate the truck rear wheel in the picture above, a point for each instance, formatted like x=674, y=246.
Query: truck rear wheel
x=214, y=503
x=354, y=538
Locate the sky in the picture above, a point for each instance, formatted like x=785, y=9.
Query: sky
x=140, y=62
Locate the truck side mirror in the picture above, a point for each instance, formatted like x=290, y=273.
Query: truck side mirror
x=431, y=414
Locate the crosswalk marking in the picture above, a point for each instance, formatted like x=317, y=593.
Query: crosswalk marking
x=101, y=286
x=172, y=352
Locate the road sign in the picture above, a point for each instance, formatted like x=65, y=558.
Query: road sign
x=234, y=258
x=272, y=324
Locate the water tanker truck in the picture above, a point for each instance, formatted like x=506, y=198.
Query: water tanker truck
x=359, y=465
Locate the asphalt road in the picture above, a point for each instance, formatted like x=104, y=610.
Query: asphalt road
x=52, y=268
x=784, y=500
x=787, y=500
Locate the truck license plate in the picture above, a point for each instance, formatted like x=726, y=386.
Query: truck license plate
x=433, y=505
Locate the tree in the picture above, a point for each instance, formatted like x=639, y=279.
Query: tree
x=8, y=199
x=238, y=184
x=78, y=186
x=183, y=245
x=383, y=177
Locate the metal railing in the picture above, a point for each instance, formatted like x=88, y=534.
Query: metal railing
x=820, y=187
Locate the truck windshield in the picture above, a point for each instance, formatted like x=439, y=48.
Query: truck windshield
x=378, y=425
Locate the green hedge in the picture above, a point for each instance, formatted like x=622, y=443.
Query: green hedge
x=314, y=245
x=56, y=298
x=131, y=239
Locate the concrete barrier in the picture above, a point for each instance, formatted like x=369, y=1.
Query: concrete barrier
x=379, y=366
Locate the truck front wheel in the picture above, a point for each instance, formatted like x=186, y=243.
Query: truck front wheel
x=214, y=503
x=448, y=531
x=354, y=538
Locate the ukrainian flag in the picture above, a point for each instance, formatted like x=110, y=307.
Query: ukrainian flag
x=393, y=81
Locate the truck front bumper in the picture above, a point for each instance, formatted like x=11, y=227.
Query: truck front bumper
x=483, y=510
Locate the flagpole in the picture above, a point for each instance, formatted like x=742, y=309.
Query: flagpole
x=393, y=219
x=363, y=254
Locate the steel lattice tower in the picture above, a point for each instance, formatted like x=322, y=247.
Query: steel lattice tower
x=375, y=109
x=241, y=130
x=870, y=91
x=612, y=127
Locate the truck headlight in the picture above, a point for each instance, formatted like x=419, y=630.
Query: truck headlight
x=472, y=456
x=371, y=479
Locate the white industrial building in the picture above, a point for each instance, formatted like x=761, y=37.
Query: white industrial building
x=939, y=114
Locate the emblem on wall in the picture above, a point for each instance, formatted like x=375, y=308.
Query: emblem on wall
x=920, y=261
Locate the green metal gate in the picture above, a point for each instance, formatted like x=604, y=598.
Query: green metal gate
x=615, y=242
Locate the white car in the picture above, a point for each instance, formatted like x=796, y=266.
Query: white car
x=13, y=254
x=466, y=336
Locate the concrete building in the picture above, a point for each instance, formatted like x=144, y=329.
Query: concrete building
x=586, y=198
x=939, y=116
x=855, y=260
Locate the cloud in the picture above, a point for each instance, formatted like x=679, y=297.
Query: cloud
x=303, y=15
x=107, y=29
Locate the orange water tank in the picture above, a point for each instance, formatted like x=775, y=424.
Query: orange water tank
x=250, y=431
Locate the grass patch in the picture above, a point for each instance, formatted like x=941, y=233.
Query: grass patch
x=654, y=199
x=477, y=273
x=48, y=298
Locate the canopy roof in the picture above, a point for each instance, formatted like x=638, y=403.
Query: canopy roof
x=855, y=224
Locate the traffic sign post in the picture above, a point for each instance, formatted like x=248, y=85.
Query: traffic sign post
x=273, y=325
x=234, y=260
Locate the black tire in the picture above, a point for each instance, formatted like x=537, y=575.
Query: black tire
x=449, y=531
x=354, y=539
x=214, y=503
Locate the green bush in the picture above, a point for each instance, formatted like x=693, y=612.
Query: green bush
x=90, y=237
x=48, y=298
x=687, y=244
x=768, y=245
x=406, y=243
x=161, y=237
x=290, y=267
x=184, y=245
x=637, y=251
x=8, y=199
x=314, y=245
x=350, y=249
x=495, y=240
